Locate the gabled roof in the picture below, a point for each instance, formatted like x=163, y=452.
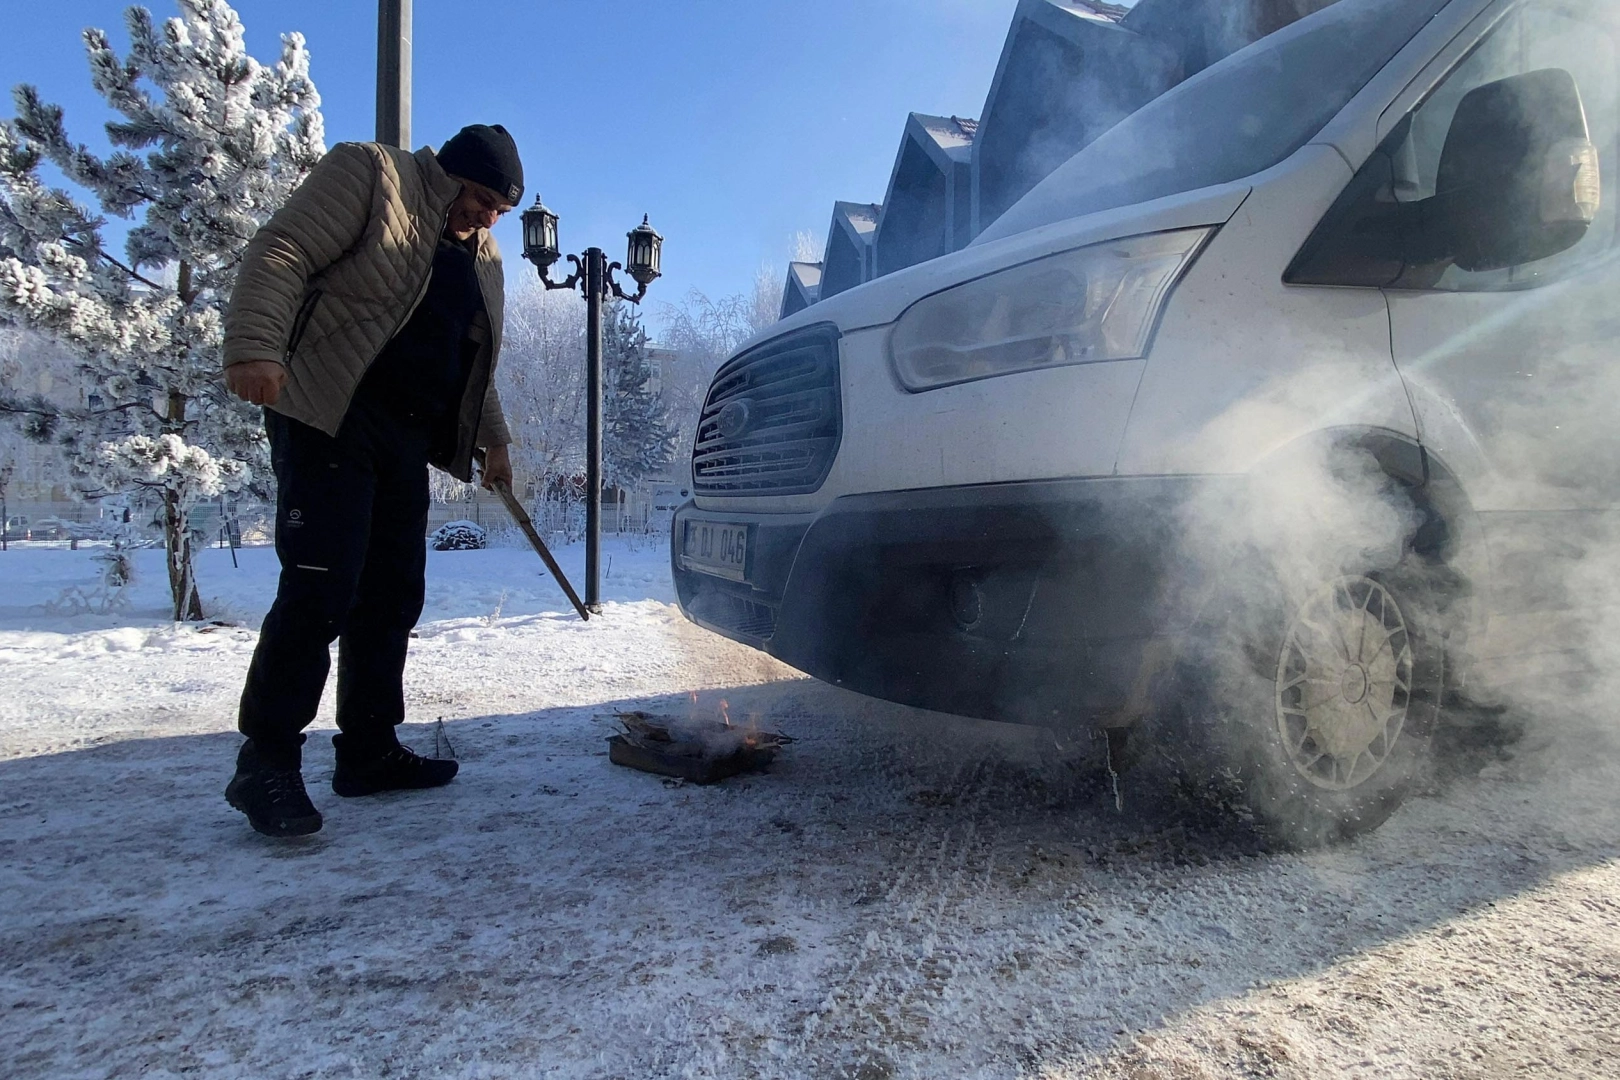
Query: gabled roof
x=802, y=288
x=953, y=135
x=1205, y=32
x=1107, y=10
x=848, y=259
x=807, y=274
x=927, y=208
x=859, y=218
x=1090, y=9
x=1069, y=70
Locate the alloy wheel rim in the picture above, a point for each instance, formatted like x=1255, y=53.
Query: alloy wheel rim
x=1344, y=683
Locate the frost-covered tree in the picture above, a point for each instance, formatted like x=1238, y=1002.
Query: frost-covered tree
x=703, y=333
x=806, y=246
x=542, y=384
x=31, y=363
x=765, y=302
x=207, y=143
x=636, y=437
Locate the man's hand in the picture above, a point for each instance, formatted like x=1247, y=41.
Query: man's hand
x=256, y=381
x=497, y=467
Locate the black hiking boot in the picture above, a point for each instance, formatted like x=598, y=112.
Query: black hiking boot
x=272, y=795
x=390, y=767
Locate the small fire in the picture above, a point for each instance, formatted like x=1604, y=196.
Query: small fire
x=725, y=711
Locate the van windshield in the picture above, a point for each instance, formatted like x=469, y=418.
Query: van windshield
x=1239, y=117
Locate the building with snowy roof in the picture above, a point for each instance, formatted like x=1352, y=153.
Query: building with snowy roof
x=1068, y=72
x=847, y=261
x=1204, y=32
x=803, y=287
x=928, y=211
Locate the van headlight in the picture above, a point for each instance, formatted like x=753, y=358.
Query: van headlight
x=1081, y=307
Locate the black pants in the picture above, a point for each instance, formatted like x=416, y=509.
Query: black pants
x=351, y=519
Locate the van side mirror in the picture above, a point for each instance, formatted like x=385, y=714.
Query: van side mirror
x=1518, y=180
x=1519, y=177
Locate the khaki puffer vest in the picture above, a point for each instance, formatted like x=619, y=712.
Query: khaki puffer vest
x=337, y=271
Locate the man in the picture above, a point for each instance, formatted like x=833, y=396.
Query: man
x=367, y=320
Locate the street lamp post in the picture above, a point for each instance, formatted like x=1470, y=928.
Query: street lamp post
x=594, y=275
x=394, y=73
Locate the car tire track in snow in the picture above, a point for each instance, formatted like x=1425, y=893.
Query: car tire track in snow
x=880, y=1003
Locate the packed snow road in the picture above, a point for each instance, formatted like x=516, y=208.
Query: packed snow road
x=904, y=895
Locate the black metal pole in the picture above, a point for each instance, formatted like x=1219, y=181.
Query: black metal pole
x=394, y=73
x=595, y=287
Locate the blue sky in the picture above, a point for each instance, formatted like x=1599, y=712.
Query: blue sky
x=734, y=123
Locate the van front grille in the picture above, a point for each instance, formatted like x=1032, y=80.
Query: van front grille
x=773, y=418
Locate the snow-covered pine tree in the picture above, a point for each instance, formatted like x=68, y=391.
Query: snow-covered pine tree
x=208, y=144
x=636, y=435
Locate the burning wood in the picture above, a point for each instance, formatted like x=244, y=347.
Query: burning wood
x=696, y=750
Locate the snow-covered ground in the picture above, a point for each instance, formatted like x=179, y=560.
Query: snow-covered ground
x=904, y=895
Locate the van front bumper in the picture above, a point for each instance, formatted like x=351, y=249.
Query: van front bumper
x=1042, y=602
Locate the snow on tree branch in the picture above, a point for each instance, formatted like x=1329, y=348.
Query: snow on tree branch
x=206, y=144
x=168, y=462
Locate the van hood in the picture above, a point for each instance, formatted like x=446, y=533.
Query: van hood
x=880, y=302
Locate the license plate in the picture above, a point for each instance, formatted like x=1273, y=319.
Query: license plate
x=721, y=550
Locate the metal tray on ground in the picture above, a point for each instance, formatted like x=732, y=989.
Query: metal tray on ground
x=699, y=754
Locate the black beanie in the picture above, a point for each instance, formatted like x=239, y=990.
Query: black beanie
x=486, y=155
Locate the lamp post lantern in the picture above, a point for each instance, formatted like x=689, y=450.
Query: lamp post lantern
x=540, y=237
x=645, y=253
x=593, y=274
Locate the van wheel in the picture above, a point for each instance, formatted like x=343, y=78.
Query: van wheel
x=1325, y=715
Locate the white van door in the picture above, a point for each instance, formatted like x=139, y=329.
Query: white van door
x=1515, y=372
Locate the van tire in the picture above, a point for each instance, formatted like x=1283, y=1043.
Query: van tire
x=1318, y=713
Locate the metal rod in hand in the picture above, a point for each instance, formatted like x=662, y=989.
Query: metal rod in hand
x=595, y=287
x=524, y=522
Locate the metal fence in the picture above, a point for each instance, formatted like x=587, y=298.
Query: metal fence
x=235, y=522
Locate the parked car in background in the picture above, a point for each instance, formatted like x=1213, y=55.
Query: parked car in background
x=1039, y=479
x=50, y=528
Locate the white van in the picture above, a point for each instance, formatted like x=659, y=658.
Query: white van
x=1357, y=278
